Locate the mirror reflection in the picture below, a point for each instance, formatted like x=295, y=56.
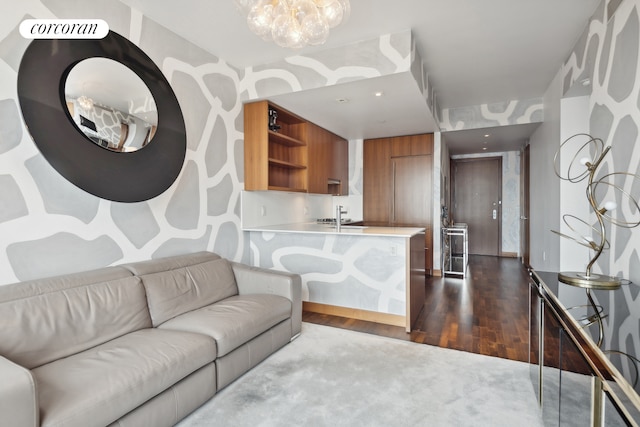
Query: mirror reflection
x=111, y=105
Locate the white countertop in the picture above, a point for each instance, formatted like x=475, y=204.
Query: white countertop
x=353, y=230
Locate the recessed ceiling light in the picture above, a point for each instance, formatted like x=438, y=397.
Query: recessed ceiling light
x=342, y=100
x=379, y=94
x=486, y=135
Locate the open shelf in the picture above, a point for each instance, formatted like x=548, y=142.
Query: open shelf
x=282, y=139
x=274, y=160
x=284, y=164
x=296, y=190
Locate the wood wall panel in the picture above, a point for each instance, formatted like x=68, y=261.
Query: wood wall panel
x=398, y=185
x=377, y=180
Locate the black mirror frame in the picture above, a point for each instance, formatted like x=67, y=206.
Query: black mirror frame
x=122, y=177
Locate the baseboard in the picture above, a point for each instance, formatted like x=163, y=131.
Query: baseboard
x=437, y=273
x=509, y=254
x=355, y=313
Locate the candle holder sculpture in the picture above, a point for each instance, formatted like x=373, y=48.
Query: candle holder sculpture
x=615, y=187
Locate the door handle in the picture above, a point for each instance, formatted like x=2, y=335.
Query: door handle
x=495, y=214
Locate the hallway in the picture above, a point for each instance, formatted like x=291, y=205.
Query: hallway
x=485, y=313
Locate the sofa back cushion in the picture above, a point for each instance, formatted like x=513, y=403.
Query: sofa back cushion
x=173, y=292
x=42, y=328
x=45, y=285
x=169, y=263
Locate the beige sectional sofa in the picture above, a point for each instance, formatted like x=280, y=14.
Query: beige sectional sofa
x=140, y=344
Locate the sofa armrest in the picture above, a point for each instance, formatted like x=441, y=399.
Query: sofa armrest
x=257, y=280
x=18, y=398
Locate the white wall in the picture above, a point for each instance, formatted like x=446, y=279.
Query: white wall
x=544, y=192
x=574, y=120
x=261, y=208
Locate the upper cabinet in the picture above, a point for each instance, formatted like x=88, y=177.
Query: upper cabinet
x=285, y=152
x=328, y=162
x=275, y=149
x=412, y=145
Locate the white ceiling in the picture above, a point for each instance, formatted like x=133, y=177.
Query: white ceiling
x=475, y=52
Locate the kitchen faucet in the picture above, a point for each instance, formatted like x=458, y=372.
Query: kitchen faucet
x=339, y=212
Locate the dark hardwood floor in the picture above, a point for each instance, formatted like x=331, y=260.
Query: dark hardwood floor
x=485, y=313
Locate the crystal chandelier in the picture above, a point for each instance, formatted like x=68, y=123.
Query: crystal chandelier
x=294, y=23
x=85, y=102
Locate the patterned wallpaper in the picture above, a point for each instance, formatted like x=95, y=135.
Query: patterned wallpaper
x=366, y=273
x=49, y=227
x=514, y=112
x=608, y=56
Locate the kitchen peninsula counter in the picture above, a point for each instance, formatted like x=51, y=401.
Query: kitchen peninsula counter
x=346, y=229
x=364, y=272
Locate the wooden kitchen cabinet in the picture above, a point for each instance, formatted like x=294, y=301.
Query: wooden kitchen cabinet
x=398, y=174
x=328, y=166
x=274, y=160
x=299, y=156
x=428, y=249
x=412, y=145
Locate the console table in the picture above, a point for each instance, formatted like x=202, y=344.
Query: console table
x=455, y=250
x=576, y=383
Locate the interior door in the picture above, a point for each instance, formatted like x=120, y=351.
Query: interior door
x=477, y=202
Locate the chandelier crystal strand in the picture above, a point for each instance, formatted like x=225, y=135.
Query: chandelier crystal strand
x=85, y=103
x=294, y=23
x=260, y=19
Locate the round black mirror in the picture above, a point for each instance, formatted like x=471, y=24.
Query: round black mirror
x=114, y=175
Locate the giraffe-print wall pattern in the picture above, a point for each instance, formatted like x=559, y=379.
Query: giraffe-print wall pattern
x=514, y=112
x=50, y=227
x=604, y=65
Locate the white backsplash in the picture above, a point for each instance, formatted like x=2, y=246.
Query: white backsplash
x=352, y=204
x=263, y=208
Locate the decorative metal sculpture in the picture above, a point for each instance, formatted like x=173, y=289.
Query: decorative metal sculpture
x=584, y=164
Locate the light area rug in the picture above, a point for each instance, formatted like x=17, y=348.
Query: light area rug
x=335, y=377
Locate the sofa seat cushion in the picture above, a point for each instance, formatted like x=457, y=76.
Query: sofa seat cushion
x=99, y=385
x=235, y=320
